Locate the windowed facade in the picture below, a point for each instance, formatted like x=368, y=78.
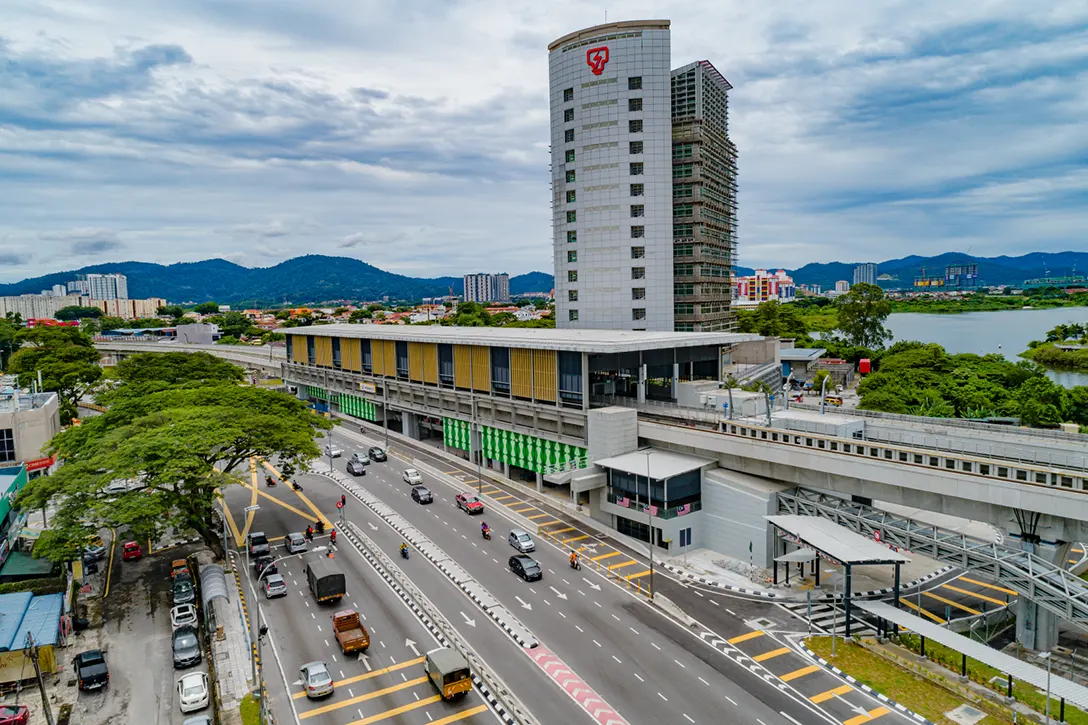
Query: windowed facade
x=572, y=237
x=638, y=232
x=571, y=175
x=569, y=156
x=634, y=147
x=568, y=95
x=572, y=295
x=572, y=196
x=638, y=252
x=634, y=83
x=572, y=216
x=637, y=189
x=7, y=445
x=572, y=256
x=637, y=168
x=634, y=105
x=634, y=125
x=638, y=210
x=572, y=315
x=568, y=135
x=638, y=293
x=639, y=313
x=638, y=273
x=568, y=115
x=336, y=352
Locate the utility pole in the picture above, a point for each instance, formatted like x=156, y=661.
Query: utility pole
x=30, y=649
x=385, y=412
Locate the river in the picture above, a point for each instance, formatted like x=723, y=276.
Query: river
x=1004, y=331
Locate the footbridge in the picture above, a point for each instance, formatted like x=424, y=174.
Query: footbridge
x=265, y=360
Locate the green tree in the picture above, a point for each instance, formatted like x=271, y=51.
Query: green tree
x=228, y=340
x=232, y=324
x=206, y=308
x=176, y=367
x=175, y=311
x=1041, y=402
x=183, y=443
x=1078, y=405
x=862, y=312
x=66, y=359
x=273, y=336
x=357, y=316
x=75, y=312
x=110, y=323
x=7, y=341
x=819, y=378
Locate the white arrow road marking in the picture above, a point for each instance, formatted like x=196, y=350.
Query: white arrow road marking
x=592, y=585
x=558, y=593
x=412, y=646
x=469, y=622
x=366, y=661
x=855, y=708
x=372, y=526
x=523, y=602
x=296, y=683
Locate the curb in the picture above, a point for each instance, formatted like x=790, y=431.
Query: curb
x=865, y=688
x=424, y=619
x=490, y=607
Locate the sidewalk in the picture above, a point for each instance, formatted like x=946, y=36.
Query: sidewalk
x=232, y=655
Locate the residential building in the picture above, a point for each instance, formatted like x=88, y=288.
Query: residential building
x=627, y=133
x=59, y=290
x=482, y=287
x=128, y=309
x=865, y=273
x=842, y=286
x=107, y=286
x=79, y=286
x=761, y=287
x=28, y=421
x=39, y=306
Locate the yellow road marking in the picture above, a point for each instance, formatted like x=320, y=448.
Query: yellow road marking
x=799, y=673
x=538, y=516
x=629, y=577
x=920, y=610
x=1077, y=551
x=451, y=473
x=109, y=569
x=951, y=603
x=471, y=480
x=233, y=526
x=287, y=506
x=490, y=490
x=772, y=654
x=605, y=556
x=560, y=531
x=575, y=538
x=745, y=637
x=252, y=498
x=305, y=500
x=501, y=498
x=460, y=715
x=629, y=562
x=542, y=524
x=522, y=510
x=998, y=602
x=361, y=698
x=368, y=675
x=869, y=716
x=825, y=696
x=396, y=711
x=1010, y=592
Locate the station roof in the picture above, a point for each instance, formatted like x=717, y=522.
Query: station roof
x=663, y=464
x=592, y=341
x=836, y=542
x=1035, y=676
x=801, y=353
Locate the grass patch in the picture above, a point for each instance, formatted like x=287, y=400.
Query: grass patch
x=909, y=690
x=250, y=710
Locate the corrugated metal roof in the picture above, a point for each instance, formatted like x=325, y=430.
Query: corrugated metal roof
x=213, y=584
x=837, y=542
x=12, y=609
x=42, y=620
x=1035, y=676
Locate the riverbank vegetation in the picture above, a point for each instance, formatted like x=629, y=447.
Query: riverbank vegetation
x=1044, y=298
x=1065, y=348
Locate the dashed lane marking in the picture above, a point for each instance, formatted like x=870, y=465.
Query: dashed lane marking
x=799, y=673
x=745, y=637
x=825, y=696
x=867, y=717
x=772, y=654
x=996, y=588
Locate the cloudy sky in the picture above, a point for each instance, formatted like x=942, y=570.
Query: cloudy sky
x=413, y=134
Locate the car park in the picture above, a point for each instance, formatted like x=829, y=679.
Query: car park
x=295, y=543
x=258, y=544
x=183, y=615
x=422, y=495
x=91, y=670
x=411, y=476
x=333, y=450
x=193, y=691
x=186, y=647
x=316, y=679
x=469, y=504
x=377, y=454
x=274, y=586
x=14, y=715
x=356, y=468
x=131, y=551
x=183, y=593
x=520, y=540
x=526, y=568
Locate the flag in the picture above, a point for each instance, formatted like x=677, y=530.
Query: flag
x=623, y=501
x=685, y=509
x=653, y=510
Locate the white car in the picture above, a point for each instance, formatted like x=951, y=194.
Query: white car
x=183, y=615
x=412, y=477
x=316, y=679
x=334, y=451
x=193, y=691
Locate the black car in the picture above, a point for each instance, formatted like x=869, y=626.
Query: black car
x=91, y=670
x=186, y=646
x=525, y=567
x=376, y=454
x=422, y=495
x=356, y=467
x=264, y=565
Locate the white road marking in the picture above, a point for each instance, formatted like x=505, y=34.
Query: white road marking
x=730, y=611
x=403, y=677
x=727, y=697
x=350, y=693
x=615, y=617
x=564, y=580
x=382, y=644
x=319, y=628
x=562, y=615
x=494, y=560
x=617, y=659
x=656, y=647
x=596, y=643
x=680, y=663
x=639, y=677
x=788, y=717
x=312, y=616
x=687, y=718
x=662, y=697
x=704, y=682
x=579, y=629
x=597, y=603
x=698, y=592
x=715, y=602
x=633, y=630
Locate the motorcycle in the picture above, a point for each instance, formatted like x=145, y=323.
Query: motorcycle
x=269, y=481
x=320, y=527
x=294, y=485
x=404, y=552
x=486, y=533
x=576, y=565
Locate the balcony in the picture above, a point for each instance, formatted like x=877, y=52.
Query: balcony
x=656, y=511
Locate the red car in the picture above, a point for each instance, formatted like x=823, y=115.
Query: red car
x=131, y=551
x=14, y=715
x=469, y=504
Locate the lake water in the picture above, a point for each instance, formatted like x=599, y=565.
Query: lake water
x=1005, y=331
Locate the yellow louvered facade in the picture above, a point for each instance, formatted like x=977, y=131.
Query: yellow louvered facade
x=430, y=362
x=298, y=349
x=481, y=368
x=323, y=350
x=415, y=361
x=544, y=375
x=377, y=356
x=351, y=354
x=390, y=359
x=462, y=366
x=521, y=372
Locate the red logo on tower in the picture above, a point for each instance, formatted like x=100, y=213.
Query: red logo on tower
x=596, y=58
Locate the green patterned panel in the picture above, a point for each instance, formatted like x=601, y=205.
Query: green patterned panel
x=315, y=392
x=525, y=451
x=456, y=433
x=358, y=407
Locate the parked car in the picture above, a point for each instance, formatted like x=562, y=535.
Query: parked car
x=178, y=566
x=91, y=553
x=91, y=670
x=469, y=504
x=183, y=615
x=356, y=468
x=258, y=544
x=184, y=593
x=377, y=454
x=198, y=720
x=520, y=540
x=412, y=477
x=295, y=543
x=333, y=450
x=193, y=691
x=14, y=714
x=131, y=551
x=186, y=646
x=264, y=565
x=525, y=567
x=274, y=586
x=316, y=678
x=422, y=495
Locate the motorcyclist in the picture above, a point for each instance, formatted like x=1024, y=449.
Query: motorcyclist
x=332, y=536
x=268, y=481
x=309, y=533
x=319, y=525
x=574, y=559
x=404, y=550
x=485, y=530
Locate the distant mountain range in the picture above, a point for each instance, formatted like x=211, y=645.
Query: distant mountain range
x=315, y=278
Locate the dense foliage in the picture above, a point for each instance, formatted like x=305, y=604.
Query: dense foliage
x=1049, y=354
x=982, y=302
x=75, y=312
x=473, y=314
x=66, y=359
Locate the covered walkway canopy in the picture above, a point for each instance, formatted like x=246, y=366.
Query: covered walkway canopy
x=1034, y=676
x=213, y=584
x=838, y=545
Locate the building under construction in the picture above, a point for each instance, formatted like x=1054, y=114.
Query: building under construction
x=956, y=278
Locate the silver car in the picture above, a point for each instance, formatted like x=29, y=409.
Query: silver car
x=295, y=543
x=316, y=679
x=520, y=540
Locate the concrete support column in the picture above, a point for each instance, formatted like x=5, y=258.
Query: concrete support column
x=642, y=383
x=506, y=469
x=411, y=425
x=1037, y=628
x=675, y=379
x=539, y=482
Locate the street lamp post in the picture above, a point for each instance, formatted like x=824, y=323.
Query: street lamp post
x=650, y=521
x=252, y=591
x=834, y=612
x=385, y=412
x=1049, y=663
